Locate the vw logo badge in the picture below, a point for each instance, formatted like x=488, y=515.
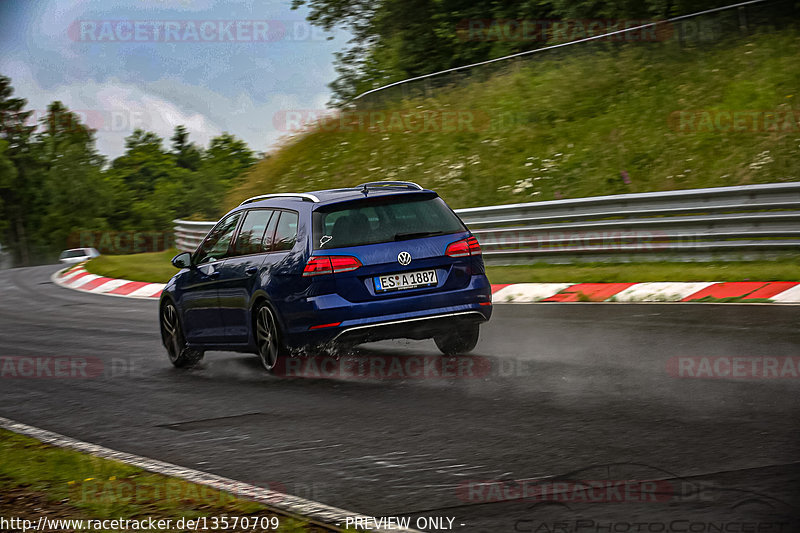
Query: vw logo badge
x=404, y=258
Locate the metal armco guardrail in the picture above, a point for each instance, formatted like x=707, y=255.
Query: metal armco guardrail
x=721, y=223
x=189, y=233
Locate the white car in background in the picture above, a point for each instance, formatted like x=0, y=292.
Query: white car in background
x=77, y=255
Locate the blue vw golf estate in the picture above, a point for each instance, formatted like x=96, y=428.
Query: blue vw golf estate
x=287, y=271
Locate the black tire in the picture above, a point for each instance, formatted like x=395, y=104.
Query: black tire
x=462, y=339
x=268, y=337
x=180, y=355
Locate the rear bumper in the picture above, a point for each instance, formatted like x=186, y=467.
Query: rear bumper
x=409, y=328
x=417, y=316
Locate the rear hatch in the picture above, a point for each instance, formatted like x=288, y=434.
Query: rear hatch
x=400, y=242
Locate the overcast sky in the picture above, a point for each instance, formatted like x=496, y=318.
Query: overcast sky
x=215, y=66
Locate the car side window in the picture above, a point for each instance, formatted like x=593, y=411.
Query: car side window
x=269, y=235
x=216, y=244
x=286, y=231
x=251, y=236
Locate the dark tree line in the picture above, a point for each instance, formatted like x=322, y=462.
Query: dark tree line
x=54, y=184
x=398, y=39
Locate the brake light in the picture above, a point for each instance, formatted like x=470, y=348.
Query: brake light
x=328, y=264
x=318, y=265
x=344, y=263
x=463, y=248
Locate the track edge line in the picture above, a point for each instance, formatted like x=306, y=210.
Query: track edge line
x=309, y=510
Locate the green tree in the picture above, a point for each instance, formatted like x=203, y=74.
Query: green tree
x=76, y=197
x=144, y=180
x=397, y=39
x=8, y=175
x=225, y=161
x=152, y=186
x=143, y=163
x=20, y=191
x=53, y=182
x=186, y=154
x=229, y=156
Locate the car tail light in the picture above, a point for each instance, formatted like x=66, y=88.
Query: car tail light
x=328, y=264
x=344, y=263
x=464, y=248
x=317, y=265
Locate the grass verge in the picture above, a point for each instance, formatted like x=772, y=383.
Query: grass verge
x=594, y=121
x=156, y=268
x=39, y=479
x=153, y=267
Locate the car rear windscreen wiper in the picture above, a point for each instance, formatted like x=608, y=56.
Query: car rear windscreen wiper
x=415, y=235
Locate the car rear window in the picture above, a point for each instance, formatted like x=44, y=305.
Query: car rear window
x=384, y=219
x=68, y=254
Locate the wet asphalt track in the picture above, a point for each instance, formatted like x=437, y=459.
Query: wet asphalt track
x=575, y=390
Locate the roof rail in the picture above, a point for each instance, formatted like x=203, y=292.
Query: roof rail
x=376, y=184
x=301, y=195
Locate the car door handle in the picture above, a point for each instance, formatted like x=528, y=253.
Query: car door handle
x=251, y=270
x=214, y=275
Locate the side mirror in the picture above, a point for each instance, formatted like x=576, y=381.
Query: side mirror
x=182, y=260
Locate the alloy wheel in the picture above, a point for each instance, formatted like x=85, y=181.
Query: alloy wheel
x=267, y=338
x=171, y=334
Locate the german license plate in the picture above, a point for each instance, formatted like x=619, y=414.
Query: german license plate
x=405, y=280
